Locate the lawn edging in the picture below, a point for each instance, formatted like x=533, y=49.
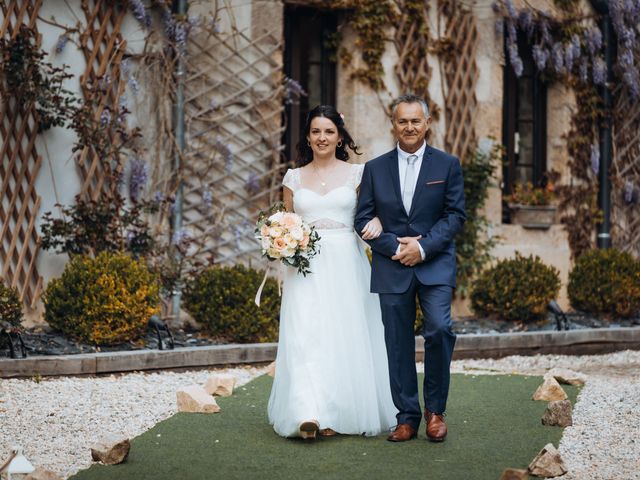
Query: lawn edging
x=569, y=342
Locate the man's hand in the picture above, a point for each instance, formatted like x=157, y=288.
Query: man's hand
x=409, y=254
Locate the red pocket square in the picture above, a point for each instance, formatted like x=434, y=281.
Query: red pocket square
x=435, y=182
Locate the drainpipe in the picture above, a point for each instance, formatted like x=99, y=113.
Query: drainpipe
x=606, y=140
x=179, y=8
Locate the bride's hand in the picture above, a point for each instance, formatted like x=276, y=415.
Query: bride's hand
x=372, y=229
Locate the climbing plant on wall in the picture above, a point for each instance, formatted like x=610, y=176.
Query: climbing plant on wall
x=568, y=47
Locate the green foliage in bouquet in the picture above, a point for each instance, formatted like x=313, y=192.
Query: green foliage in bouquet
x=221, y=299
x=516, y=289
x=10, y=308
x=606, y=282
x=103, y=300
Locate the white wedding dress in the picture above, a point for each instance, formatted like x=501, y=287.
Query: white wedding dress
x=331, y=364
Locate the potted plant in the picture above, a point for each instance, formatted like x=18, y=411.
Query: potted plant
x=532, y=206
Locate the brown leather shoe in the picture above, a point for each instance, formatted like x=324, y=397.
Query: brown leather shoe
x=436, y=426
x=402, y=433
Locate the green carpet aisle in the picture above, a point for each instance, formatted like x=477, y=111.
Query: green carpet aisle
x=493, y=424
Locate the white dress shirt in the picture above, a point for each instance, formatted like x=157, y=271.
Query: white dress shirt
x=402, y=168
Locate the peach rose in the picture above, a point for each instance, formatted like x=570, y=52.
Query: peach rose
x=279, y=243
x=304, y=242
x=290, y=220
x=264, y=230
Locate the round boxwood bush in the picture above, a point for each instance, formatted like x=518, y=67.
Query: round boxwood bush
x=515, y=289
x=606, y=282
x=221, y=299
x=103, y=300
x=10, y=308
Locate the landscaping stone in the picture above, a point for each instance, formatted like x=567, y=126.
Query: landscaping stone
x=42, y=474
x=195, y=399
x=271, y=369
x=111, y=450
x=558, y=414
x=566, y=376
x=548, y=463
x=514, y=474
x=220, y=384
x=549, y=391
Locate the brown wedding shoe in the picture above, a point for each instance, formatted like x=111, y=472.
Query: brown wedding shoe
x=436, y=426
x=403, y=433
x=309, y=429
x=327, y=432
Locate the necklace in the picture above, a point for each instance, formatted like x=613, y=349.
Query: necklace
x=317, y=172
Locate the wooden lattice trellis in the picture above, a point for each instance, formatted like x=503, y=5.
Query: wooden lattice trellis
x=625, y=173
x=103, y=48
x=412, y=44
x=19, y=167
x=461, y=75
x=232, y=165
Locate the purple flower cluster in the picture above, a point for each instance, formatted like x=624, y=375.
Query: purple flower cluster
x=293, y=91
x=207, y=198
x=595, y=158
x=625, y=16
x=540, y=57
x=628, y=192
x=599, y=71
x=252, y=185
x=140, y=13
x=61, y=43
x=176, y=32
x=181, y=238
x=105, y=117
x=224, y=150
x=138, y=176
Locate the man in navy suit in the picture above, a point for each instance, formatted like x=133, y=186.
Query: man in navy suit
x=417, y=192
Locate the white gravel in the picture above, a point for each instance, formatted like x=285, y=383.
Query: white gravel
x=604, y=441
x=56, y=420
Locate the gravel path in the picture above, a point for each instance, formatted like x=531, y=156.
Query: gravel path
x=56, y=420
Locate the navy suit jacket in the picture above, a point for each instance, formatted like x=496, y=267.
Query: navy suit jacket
x=437, y=213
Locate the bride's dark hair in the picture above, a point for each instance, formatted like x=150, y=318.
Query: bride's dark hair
x=305, y=154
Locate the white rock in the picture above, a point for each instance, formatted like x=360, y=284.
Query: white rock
x=111, y=450
x=566, y=376
x=220, y=384
x=195, y=399
x=548, y=463
x=558, y=413
x=550, y=390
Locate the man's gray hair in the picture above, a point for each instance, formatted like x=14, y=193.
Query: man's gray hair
x=409, y=98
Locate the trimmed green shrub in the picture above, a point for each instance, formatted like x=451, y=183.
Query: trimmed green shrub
x=103, y=300
x=606, y=282
x=515, y=289
x=221, y=299
x=10, y=308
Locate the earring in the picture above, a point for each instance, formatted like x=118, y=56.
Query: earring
x=340, y=144
x=308, y=143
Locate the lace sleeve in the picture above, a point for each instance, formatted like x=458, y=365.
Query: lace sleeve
x=290, y=180
x=358, y=169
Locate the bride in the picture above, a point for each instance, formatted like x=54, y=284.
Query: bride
x=331, y=367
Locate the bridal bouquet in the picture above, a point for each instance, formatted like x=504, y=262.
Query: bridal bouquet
x=286, y=237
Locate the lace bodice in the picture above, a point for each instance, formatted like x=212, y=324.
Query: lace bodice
x=333, y=209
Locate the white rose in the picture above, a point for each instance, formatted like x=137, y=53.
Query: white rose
x=297, y=233
x=273, y=253
x=266, y=243
x=276, y=217
x=288, y=252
